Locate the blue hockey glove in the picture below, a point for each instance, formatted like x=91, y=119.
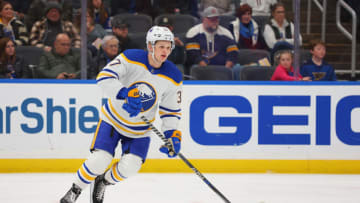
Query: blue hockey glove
x=132, y=100
x=174, y=137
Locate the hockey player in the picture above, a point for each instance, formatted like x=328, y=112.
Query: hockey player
x=137, y=83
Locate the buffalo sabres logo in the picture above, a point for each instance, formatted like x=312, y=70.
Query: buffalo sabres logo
x=147, y=94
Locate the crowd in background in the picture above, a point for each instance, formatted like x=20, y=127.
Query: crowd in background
x=54, y=27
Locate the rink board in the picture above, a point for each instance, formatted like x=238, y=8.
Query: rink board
x=285, y=127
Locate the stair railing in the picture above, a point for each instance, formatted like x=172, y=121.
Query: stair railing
x=322, y=9
x=352, y=36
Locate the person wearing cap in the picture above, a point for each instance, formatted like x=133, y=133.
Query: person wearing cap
x=37, y=9
x=177, y=56
x=225, y=7
x=120, y=30
x=43, y=32
x=245, y=30
x=208, y=43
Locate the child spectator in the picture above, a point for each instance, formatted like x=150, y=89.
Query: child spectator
x=11, y=65
x=285, y=71
x=316, y=67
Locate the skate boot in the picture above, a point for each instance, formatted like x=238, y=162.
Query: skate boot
x=71, y=195
x=98, y=189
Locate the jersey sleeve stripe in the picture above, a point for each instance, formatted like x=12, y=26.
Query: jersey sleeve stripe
x=133, y=62
x=104, y=78
x=167, y=115
x=170, y=110
x=111, y=71
x=170, y=79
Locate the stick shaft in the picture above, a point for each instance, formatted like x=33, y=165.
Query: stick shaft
x=183, y=158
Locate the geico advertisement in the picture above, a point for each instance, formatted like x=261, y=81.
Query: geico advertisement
x=221, y=121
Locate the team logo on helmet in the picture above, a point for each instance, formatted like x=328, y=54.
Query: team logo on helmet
x=147, y=94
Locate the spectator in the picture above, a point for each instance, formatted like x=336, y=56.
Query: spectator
x=37, y=11
x=61, y=62
x=177, y=55
x=260, y=8
x=10, y=26
x=101, y=13
x=95, y=32
x=285, y=71
x=279, y=33
x=245, y=30
x=20, y=7
x=120, y=30
x=224, y=7
x=208, y=43
x=44, y=32
x=110, y=49
x=11, y=65
x=316, y=67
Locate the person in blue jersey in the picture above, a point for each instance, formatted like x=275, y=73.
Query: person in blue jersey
x=137, y=83
x=208, y=43
x=316, y=67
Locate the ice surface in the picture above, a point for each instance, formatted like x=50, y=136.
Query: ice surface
x=189, y=188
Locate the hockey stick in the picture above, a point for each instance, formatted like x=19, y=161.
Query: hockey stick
x=197, y=172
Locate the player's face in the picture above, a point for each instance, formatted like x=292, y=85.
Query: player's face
x=319, y=51
x=162, y=50
x=286, y=60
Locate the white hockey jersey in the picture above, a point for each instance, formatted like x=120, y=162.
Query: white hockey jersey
x=158, y=87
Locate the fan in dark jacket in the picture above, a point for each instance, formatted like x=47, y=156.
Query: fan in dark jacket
x=11, y=65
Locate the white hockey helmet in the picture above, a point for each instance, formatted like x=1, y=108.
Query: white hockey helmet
x=157, y=33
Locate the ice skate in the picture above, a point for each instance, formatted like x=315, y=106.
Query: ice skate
x=71, y=195
x=98, y=189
